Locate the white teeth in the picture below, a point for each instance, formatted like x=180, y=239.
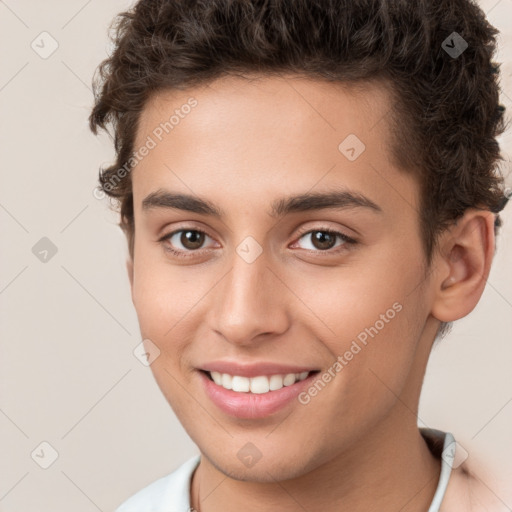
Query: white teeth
x=240, y=384
x=226, y=380
x=289, y=379
x=258, y=385
x=217, y=378
x=275, y=382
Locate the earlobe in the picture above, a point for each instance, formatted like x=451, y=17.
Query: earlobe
x=463, y=262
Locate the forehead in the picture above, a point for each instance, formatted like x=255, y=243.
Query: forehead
x=266, y=132
x=259, y=103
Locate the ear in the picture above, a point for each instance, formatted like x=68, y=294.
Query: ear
x=463, y=263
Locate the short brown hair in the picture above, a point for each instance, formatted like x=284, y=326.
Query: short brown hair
x=446, y=113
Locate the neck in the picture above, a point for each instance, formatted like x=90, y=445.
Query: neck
x=390, y=466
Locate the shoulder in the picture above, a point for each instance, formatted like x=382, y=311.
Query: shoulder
x=472, y=488
x=167, y=494
x=466, y=483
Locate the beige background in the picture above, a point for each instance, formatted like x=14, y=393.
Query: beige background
x=68, y=329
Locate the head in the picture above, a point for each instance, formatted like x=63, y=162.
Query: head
x=265, y=115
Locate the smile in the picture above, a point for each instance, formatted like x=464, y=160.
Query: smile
x=254, y=397
x=258, y=385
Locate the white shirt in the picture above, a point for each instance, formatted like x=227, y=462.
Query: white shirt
x=171, y=493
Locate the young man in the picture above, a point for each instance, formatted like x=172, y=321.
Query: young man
x=310, y=196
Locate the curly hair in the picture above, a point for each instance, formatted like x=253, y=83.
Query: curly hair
x=445, y=115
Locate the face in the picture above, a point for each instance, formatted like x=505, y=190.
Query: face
x=240, y=279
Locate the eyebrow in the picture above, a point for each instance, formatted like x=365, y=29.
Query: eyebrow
x=339, y=199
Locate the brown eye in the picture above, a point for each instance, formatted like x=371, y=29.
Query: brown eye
x=323, y=240
x=184, y=242
x=191, y=239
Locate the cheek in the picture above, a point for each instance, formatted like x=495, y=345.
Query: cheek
x=370, y=317
x=164, y=295
x=346, y=301
x=164, y=301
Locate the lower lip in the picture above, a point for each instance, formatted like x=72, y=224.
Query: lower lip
x=252, y=405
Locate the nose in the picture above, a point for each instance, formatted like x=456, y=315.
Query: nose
x=249, y=302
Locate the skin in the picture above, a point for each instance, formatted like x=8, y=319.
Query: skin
x=246, y=144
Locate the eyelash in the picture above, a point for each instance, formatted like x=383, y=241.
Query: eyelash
x=186, y=254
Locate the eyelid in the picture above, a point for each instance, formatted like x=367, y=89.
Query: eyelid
x=170, y=234
x=322, y=227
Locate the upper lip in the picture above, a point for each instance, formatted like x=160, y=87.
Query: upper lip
x=254, y=369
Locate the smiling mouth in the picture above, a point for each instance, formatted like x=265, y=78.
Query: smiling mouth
x=257, y=385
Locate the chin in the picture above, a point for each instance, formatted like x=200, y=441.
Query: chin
x=268, y=469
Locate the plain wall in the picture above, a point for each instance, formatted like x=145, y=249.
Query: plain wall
x=68, y=328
